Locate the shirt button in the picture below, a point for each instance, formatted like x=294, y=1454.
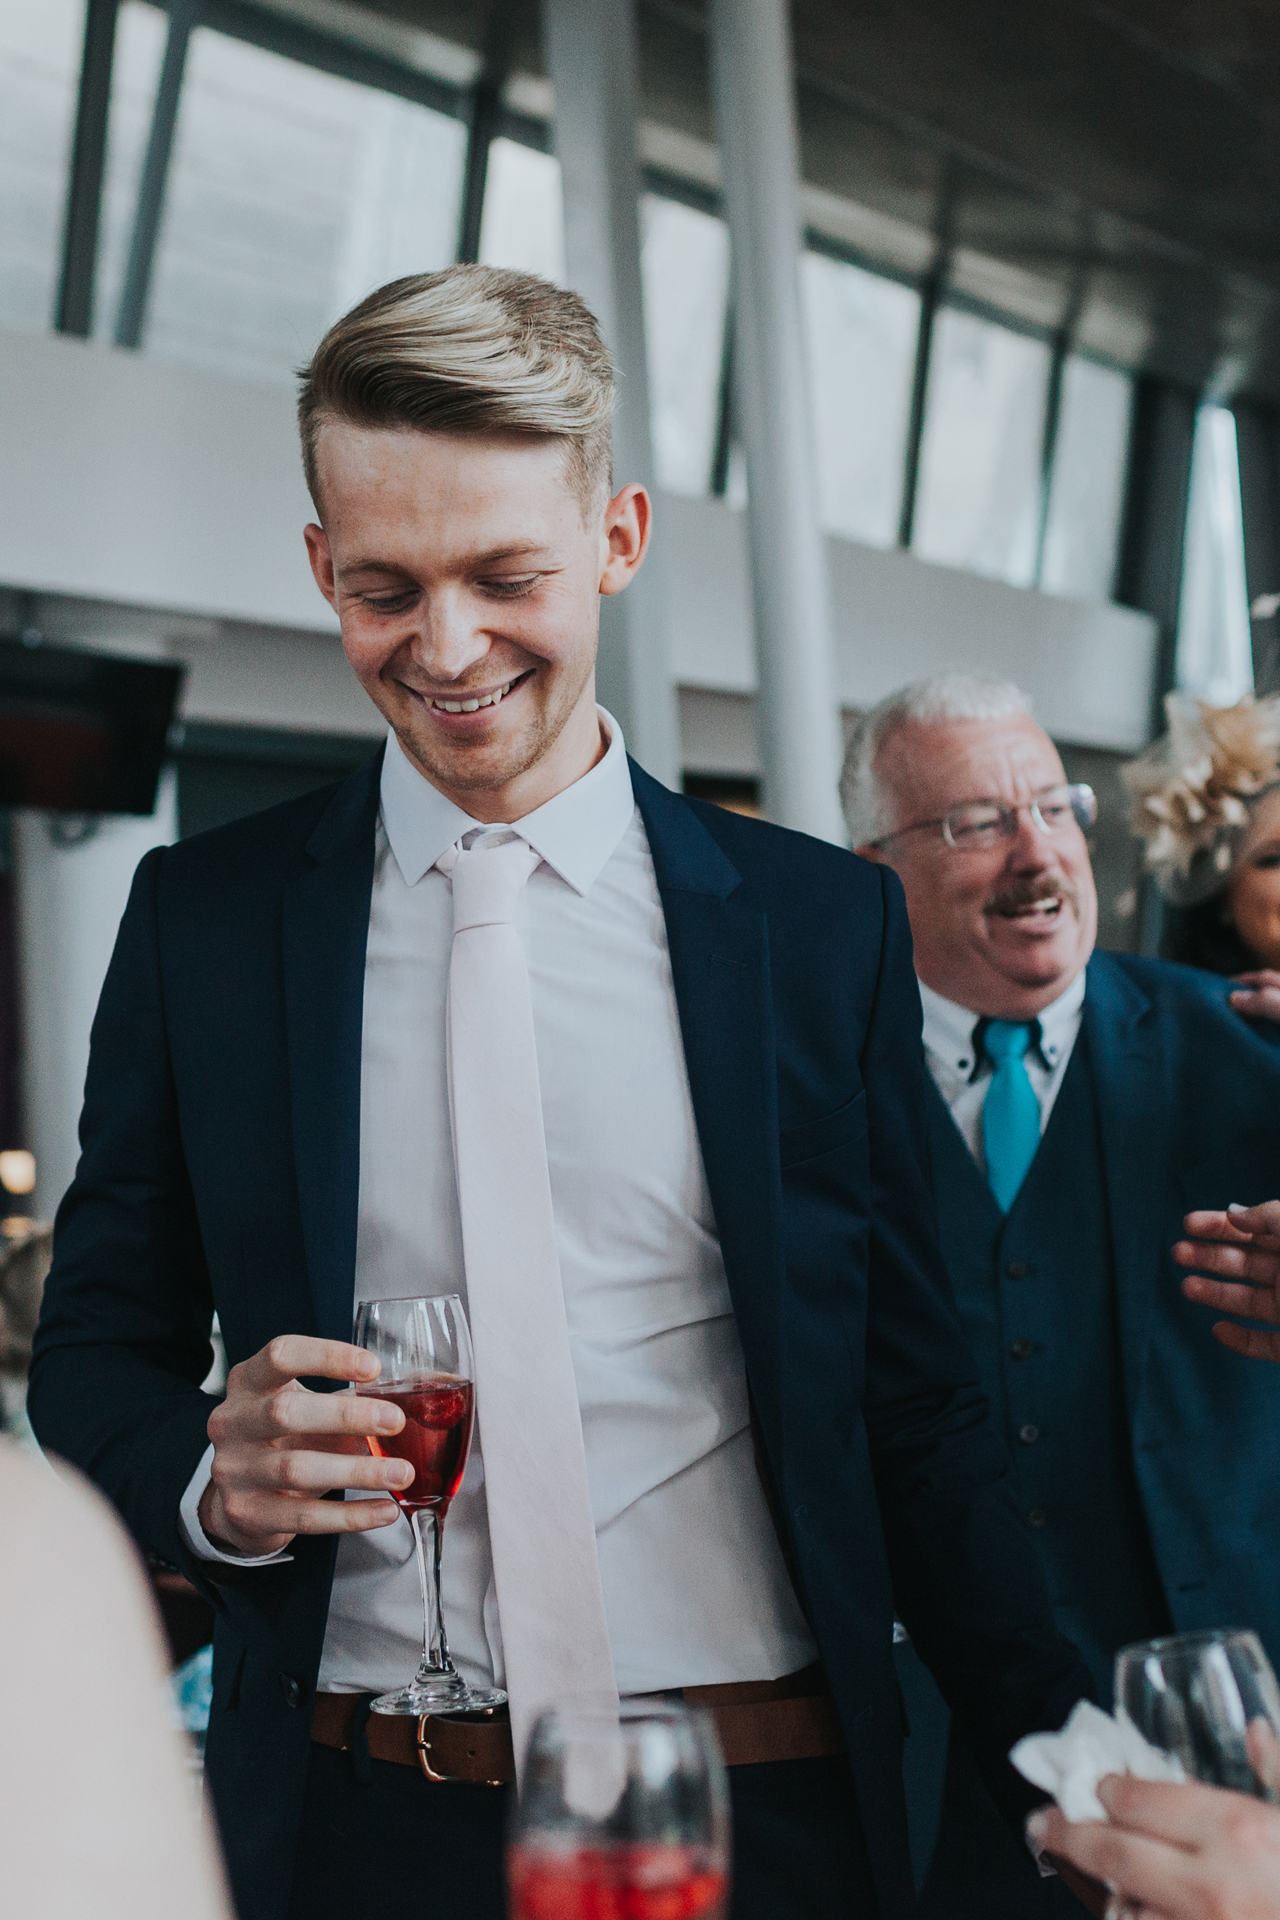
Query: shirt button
x=1017, y=1269
x=1036, y=1517
x=291, y=1690
x=1028, y=1434
x=1022, y=1349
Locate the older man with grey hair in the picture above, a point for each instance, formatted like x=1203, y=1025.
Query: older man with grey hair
x=1079, y=1103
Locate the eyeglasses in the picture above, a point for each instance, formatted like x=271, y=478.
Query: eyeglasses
x=984, y=823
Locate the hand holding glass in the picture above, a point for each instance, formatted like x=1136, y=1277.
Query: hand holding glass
x=1211, y=1699
x=625, y=1813
x=424, y=1346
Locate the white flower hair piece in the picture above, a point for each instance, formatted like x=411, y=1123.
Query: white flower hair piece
x=1193, y=790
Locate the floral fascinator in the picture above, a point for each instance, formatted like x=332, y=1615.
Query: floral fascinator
x=1192, y=791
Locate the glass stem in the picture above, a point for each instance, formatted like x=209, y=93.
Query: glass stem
x=427, y=1527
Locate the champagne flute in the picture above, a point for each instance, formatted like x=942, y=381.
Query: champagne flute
x=1210, y=1699
x=624, y=1811
x=424, y=1345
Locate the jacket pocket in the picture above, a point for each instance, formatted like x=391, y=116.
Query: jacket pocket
x=834, y=1130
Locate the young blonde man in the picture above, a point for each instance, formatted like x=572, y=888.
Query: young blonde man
x=775, y=1414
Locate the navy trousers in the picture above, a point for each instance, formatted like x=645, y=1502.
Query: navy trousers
x=397, y=1847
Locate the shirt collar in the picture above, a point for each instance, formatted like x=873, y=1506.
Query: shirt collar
x=576, y=831
x=948, y=1028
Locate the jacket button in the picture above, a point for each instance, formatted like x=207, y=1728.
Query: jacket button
x=291, y=1690
x=1017, y=1269
x=1022, y=1349
x=1028, y=1434
x=1036, y=1517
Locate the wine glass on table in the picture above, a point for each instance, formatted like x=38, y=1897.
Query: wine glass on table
x=424, y=1345
x=624, y=1811
x=1210, y=1699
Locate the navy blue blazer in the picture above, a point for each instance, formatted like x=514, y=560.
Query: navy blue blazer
x=1189, y=1108
x=219, y=1170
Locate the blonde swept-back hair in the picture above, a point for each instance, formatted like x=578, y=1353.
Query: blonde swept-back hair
x=469, y=350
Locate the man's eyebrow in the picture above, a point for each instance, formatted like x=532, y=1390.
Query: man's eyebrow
x=518, y=551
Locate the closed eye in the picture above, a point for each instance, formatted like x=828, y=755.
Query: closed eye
x=513, y=589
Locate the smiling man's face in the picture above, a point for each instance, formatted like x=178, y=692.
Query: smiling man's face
x=1004, y=930
x=468, y=582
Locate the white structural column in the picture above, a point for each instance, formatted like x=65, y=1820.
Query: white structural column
x=591, y=57
x=797, y=719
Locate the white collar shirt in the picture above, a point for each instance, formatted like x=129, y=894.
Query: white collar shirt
x=695, y=1588
x=962, y=1078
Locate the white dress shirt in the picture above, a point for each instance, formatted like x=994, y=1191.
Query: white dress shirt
x=695, y=1588
x=962, y=1078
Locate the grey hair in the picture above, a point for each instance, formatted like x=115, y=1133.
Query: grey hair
x=947, y=696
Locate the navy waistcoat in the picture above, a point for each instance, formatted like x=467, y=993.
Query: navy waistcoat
x=1036, y=1292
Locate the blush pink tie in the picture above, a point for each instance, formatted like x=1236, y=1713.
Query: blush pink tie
x=545, y=1565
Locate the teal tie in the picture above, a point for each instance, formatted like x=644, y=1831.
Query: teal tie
x=1011, y=1115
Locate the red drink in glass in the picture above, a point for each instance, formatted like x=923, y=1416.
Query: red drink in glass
x=626, y=1882
x=435, y=1438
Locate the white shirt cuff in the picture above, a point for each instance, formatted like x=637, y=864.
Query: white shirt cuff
x=194, y=1534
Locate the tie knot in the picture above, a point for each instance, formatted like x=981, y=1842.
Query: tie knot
x=487, y=881
x=1008, y=1039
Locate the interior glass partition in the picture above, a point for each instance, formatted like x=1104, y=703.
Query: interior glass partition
x=523, y=221
x=1215, y=652
x=685, y=267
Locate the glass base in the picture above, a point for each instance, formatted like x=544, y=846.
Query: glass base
x=438, y=1693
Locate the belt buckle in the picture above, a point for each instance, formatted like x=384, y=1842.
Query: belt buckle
x=424, y=1748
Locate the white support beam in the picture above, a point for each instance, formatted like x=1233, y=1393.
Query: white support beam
x=591, y=57
x=797, y=716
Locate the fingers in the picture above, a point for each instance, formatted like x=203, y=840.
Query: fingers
x=291, y=1470
x=1251, y=1303
x=1188, y=1815
x=1259, y=977
x=292, y=1410
x=1253, y=1263
x=292, y=1354
x=1252, y=1342
x=1257, y=1002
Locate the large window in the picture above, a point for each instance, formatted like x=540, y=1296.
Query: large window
x=40, y=47
x=980, y=488
x=1215, y=654
x=291, y=194
x=303, y=176
x=1086, y=496
x=523, y=223
x=685, y=262
x=862, y=332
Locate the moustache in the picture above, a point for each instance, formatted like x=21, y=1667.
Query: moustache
x=1022, y=894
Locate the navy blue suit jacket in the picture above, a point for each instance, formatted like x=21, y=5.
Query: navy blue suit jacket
x=1189, y=1108
x=220, y=1167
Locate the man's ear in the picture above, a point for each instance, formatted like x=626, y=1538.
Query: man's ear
x=628, y=522
x=321, y=563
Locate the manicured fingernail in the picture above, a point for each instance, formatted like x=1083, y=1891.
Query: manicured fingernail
x=1234, y=1206
x=1037, y=1827
x=401, y=1474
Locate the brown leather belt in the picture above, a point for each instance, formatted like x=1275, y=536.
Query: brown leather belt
x=788, y=1719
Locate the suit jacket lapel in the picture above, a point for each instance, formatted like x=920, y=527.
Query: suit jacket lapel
x=1128, y=1078
x=720, y=966
x=326, y=930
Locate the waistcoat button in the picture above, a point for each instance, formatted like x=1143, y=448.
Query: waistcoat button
x=1029, y=1434
x=1022, y=1349
x=1017, y=1269
x=291, y=1690
x=1037, y=1517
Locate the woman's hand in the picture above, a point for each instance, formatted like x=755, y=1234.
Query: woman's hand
x=1175, y=1852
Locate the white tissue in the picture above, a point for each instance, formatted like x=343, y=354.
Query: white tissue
x=1093, y=1744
